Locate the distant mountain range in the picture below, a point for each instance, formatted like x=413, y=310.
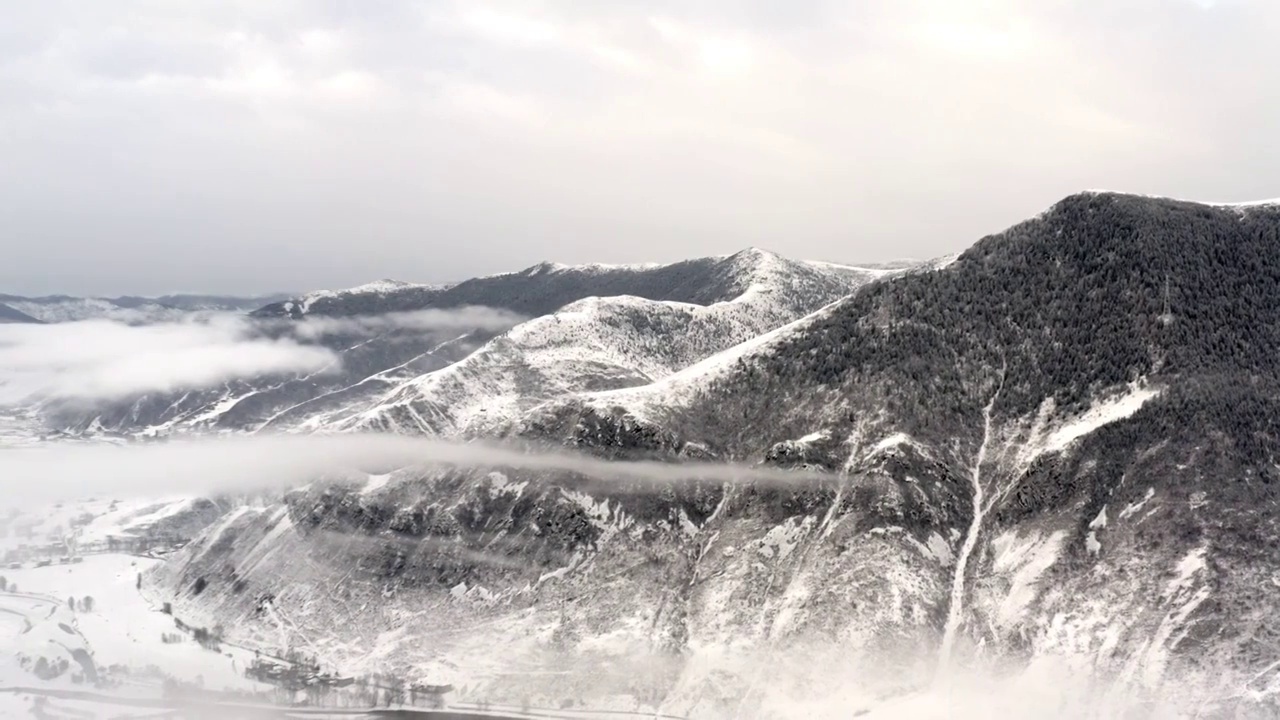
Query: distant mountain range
x=65, y=308
x=575, y=327
x=1061, y=445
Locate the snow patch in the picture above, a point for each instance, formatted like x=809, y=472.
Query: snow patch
x=781, y=540
x=1134, y=508
x=1099, y=522
x=1236, y=204
x=1021, y=560
x=892, y=441
x=1046, y=436
x=377, y=287
x=375, y=483
x=940, y=549
x=1098, y=415
x=814, y=437
x=1192, y=563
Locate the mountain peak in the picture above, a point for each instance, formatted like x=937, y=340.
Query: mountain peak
x=756, y=254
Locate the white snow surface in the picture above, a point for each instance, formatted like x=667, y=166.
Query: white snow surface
x=1098, y=415
x=1051, y=433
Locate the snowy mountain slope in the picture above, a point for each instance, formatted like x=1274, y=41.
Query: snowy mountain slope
x=598, y=342
x=665, y=394
x=10, y=315
x=554, y=591
x=1061, y=446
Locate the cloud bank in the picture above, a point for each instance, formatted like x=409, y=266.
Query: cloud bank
x=245, y=463
x=104, y=360
x=98, y=360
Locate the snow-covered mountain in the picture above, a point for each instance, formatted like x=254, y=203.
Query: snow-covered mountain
x=547, y=287
x=1057, y=450
x=436, y=362
x=595, y=343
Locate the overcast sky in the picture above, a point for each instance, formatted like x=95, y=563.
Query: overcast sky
x=253, y=145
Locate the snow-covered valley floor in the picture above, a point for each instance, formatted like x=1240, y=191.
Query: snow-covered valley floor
x=123, y=634
x=122, y=629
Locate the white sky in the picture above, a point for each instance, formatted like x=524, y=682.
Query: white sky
x=254, y=145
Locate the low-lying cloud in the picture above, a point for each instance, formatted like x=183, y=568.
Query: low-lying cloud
x=467, y=318
x=245, y=463
x=102, y=360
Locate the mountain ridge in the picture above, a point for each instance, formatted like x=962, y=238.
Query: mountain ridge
x=128, y=308
x=700, y=306
x=560, y=284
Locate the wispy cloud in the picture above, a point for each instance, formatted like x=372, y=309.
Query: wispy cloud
x=453, y=319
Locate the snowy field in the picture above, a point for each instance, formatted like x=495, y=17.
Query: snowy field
x=122, y=628
x=122, y=633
